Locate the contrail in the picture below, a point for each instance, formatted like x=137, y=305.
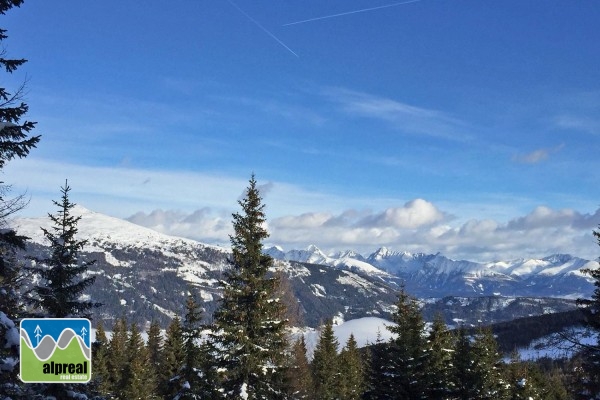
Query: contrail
x=351, y=12
x=262, y=28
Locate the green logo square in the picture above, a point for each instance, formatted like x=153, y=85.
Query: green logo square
x=56, y=350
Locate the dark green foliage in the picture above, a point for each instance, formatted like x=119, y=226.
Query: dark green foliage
x=117, y=356
x=172, y=360
x=438, y=362
x=377, y=385
x=14, y=142
x=62, y=272
x=100, y=359
x=590, y=371
x=195, y=380
x=249, y=341
x=326, y=365
x=488, y=380
x=352, y=371
x=138, y=381
x=406, y=364
x=155, y=347
x=300, y=377
x=462, y=366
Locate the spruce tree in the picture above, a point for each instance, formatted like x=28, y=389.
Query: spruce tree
x=489, y=382
x=352, y=371
x=194, y=378
x=62, y=273
x=173, y=358
x=62, y=279
x=155, y=347
x=590, y=382
x=462, y=367
x=139, y=382
x=523, y=380
x=100, y=372
x=325, y=365
x=300, y=377
x=438, y=361
x=117, y=357
x=15, y=141
x=407, y=349
x=249, y=341
x=377, y=382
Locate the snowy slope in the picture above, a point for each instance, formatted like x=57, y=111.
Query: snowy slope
x=429, y=275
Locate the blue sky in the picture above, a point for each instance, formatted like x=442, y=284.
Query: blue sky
x=466, y=127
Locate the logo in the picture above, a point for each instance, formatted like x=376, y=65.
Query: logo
x=56, y=350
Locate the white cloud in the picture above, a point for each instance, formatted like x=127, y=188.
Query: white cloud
x=403, y=116
x=538, y=155
x=199, y=206
x=414, y=214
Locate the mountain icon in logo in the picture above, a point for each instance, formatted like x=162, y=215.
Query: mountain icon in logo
x=55, y=350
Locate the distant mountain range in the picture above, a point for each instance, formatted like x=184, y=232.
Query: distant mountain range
x=434, y=275
x=146, y=275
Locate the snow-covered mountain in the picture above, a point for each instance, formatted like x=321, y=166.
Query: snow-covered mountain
x=434, y=275
x=146, y=275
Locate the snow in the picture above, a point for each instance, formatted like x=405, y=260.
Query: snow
x=244, y=391
x=365, y=331
x=12, y=333
x=318, y=290
x=556, y=346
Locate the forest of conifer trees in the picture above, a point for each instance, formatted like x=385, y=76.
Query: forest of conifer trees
x=248, y=351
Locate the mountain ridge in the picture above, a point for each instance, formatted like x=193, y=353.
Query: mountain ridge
x=146, y=275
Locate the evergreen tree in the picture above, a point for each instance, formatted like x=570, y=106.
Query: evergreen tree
x=117, y=357
x=325, y=365
x=155, y=348
x=352, y=372
x=407, y=350
x=62, y=282
x=194, y=378
x=462, y=367
x=438, y=362
x=300, y=378
x=377, y=383
x=487, y=375
x=172, y=360
x=590, y=381
x=62, y=272
x=139, y=382
x=249, y=341
x=100, y=372
x=520, y=384
x=14, y=142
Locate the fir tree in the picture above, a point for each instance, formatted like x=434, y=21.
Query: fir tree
x=62, y=272
x=438, y=361
x=590, y=381
x=407, y=349
x=155, y=348
x=462, y=367
x=377, y=384
x=117, y=357
x=487, y=375
x=325, y=365
x=62, y=281
x=352, y=373
x=249, y=341
x=139, y=382
x=14, y=142
x=100, y=371
x=524, y=380
x=172, y=360
x=194, y=378
x=300, y=378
